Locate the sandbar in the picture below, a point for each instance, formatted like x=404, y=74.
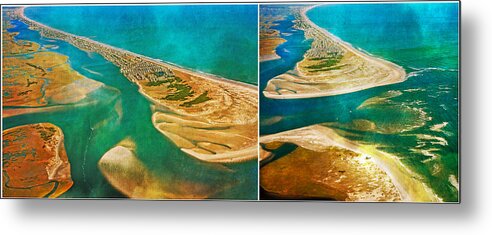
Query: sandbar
x=123, y=169
x=360, y=172
x=214, y=116
x=330, y=67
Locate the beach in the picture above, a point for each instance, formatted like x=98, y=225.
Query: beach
x=126, y=172
x=190, y=97
x=331, y=67
x=405, y=128
x=368, y=174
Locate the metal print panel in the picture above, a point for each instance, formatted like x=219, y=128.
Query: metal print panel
x=360, y=101
x=336, y=101
x=137, y=101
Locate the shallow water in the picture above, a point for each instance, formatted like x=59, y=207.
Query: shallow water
x=423, y=39
x=114, y=113
x=217, y=39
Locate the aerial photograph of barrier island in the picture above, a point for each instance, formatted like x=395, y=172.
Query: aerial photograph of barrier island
x=130, y=101
x=359, y=102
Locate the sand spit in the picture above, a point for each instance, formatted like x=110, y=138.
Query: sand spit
x=339, y=169
x=330, y=67
x=213, y=106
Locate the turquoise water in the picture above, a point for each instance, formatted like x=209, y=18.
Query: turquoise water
x=93, y=129
x=423, y=39
x=414, y=35
x=217, y=39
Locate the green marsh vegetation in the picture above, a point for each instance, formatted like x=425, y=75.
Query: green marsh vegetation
x=46, y=133
x=180, y=90
x=326, y=63
x=200, y=99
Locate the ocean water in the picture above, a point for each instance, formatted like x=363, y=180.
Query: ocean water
x=216, y=39
x=119, y=111
x=417, y=119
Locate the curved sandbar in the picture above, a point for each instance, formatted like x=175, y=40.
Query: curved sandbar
x=123, y=169
x=326, y=165
x=331, y=67
x=208, y=117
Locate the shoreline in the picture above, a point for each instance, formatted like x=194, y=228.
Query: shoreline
x=317, y=137
x=269, y=39
x=227, y=96
x=270, y=57
x=197, y=73
x=126, y=172
x=37, y=168
x=53, y=85
x=294, y=78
